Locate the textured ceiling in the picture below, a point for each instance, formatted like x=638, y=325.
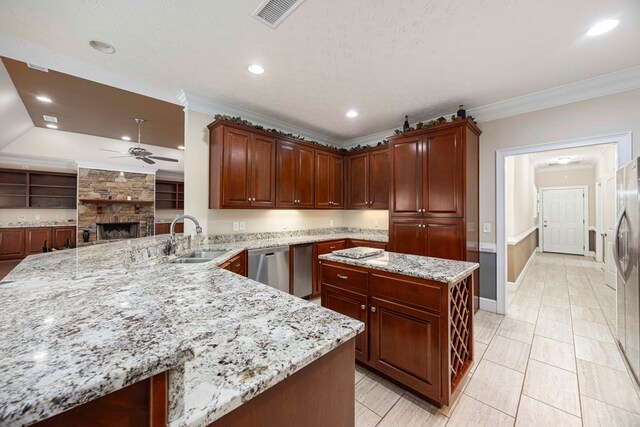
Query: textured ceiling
x=383, y=58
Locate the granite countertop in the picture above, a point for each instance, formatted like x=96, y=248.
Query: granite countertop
x=166, y=221
x=84, y=322
x=436, y=269
x=33, y=224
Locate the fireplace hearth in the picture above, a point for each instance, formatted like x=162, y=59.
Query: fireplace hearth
x=117, y=230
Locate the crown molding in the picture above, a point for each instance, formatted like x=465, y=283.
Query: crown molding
x=18, y=161
x=206, y=105
x=595, y=87
x=117, y=168
x=22, y=50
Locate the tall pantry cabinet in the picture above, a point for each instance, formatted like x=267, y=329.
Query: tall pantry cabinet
x=434, y=200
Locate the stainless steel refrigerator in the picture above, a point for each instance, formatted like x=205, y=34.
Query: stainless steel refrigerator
x=626, y=251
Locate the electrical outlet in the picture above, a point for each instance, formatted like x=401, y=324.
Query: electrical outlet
x=236, y=225
x=330, y=223
x=375, y=223
x=285, y=224
x=486, y=227
x=21, y=217
x=243, y=225
x=37, y=217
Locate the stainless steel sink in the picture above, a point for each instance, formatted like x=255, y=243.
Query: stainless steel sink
x=198, y=257
x=190, y=260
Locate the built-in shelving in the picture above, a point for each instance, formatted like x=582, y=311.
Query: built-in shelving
x=169, y=195
x=36, y=189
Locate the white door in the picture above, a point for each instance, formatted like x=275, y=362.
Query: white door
x=563, y=220
x=609, y=217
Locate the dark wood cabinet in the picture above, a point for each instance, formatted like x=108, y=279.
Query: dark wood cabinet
x=12, y=243
x=63, y=238
x=329, y=181
x=405, y=344
x=367, y=180
x=165, y=228
x=295, y=182
x=242, y=169
x=434, y=188
x=418, y=332
x=321, y=249
x=352, y=304
x=34, y=239
x=237, y=264
x=354, y=243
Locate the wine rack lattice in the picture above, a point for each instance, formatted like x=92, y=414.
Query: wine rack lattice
x=460, y=317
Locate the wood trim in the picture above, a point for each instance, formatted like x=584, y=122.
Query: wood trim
x=468, y=122
x=159, y=400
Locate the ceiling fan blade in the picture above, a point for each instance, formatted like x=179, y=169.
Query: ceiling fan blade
x=118, y=157
x=114, y=151
x=164, y=159
x=146, y=160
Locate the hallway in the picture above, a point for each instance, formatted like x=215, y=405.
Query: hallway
x=551, y=360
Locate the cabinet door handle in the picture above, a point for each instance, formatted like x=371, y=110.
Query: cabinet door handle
x=237, y=265
x=249, y=199
x=373, y=309
x=363, y=307
x=343, y=277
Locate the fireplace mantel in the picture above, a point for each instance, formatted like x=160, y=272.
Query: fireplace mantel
x=99, y=202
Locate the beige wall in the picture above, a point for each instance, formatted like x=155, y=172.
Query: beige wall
x=220, y=220
x=12, y=215
x=521, y=184
x=600, y=116
x=567, y=178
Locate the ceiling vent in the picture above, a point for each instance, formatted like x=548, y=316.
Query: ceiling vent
x=273, y=12
x=38, y=67
x=50, y=119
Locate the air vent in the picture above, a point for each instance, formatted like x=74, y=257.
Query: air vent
x=50, y=119
x=38, y=67
x=273, y=12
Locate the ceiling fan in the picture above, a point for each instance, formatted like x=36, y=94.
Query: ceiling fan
x=139, y=152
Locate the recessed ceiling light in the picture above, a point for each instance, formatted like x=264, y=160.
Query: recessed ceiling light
x=43, y=98
x=180, y=147
x=603, y=27
x=564, y=160
x=126, y=138
x=255, y=69
x=352, y=113
x=50, y=126
x=102, y=47
x=50, y=119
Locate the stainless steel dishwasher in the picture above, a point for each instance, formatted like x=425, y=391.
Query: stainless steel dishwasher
x=270, y=266
x=302, y=270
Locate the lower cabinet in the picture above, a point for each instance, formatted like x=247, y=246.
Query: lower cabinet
x=350, y=304
x=63, y=238
x=12, y=243
x=165, y=228
x=35, y=239
x=237, y=264
x=353, y=243
x=321, y=249
x=409, y=336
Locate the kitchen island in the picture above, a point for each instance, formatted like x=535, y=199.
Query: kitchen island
x=418, y=313
x=84, y=324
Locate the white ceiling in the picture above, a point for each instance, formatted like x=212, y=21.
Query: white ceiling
x=584, y=156
x=14, y=119
x=383, y=58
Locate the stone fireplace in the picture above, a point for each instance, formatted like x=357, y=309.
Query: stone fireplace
x=117, y=230
x=115, y=204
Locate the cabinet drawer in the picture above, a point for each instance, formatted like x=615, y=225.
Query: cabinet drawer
x=237, y=264
x=344, y=277
x=328, y=247
x=408, y=292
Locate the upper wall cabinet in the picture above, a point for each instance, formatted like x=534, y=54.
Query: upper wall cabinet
x=295, y=183
x=367, y=180
x=329, y=180
x=242, y=169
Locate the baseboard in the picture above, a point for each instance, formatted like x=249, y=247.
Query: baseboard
x=511, y=286
x=487, y=304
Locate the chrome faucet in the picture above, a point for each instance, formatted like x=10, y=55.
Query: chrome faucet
x=171, y=246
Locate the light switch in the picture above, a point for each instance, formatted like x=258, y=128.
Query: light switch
x=285, y=224
x=330, y=223
x=21, y=217
x=37, y=217
x=243, y=225
x=486, y=227
x=236, y=225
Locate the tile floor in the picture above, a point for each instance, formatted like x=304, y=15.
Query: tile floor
x=551, y=361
